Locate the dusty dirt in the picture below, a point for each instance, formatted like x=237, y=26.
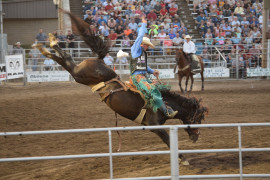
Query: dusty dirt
x=49, y=106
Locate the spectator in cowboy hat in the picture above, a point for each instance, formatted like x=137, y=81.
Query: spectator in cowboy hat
x=17, y=49
x=139, y=69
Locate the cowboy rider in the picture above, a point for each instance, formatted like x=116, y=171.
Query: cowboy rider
x=190, y=49
x=139, y=70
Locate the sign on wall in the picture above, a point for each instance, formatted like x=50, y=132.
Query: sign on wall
x=48, y=76
x=258, y=72
x=214, y=72
x=2, y=72
x=14, y=66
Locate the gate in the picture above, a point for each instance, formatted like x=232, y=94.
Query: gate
x=174, y=151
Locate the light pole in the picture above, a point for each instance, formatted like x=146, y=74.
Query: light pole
x=2, y=34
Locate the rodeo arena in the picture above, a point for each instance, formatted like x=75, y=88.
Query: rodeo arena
x=125, y=89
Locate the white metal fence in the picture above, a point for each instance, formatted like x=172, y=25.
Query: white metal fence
x=174, y=150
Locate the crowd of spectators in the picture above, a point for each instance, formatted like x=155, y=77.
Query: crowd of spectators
x=225, y=23
x=120, y=21
x=232, y=23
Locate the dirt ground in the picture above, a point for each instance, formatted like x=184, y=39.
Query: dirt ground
x=52, y=106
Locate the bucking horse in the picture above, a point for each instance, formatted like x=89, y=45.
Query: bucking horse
x=93, y=72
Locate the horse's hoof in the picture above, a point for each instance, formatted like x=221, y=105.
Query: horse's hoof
x=185, y=163
x=52, y=39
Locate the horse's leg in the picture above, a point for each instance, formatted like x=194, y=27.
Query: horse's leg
x=166, y=139
x=202, y=78
x=187, y=78
x=192, y=80
x=46, y=53
x=67, y=62
x=180, y=82
x=151, y=119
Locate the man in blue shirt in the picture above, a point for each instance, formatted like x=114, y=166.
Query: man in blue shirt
x=139, y=70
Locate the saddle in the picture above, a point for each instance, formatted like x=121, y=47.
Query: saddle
x=195, y=65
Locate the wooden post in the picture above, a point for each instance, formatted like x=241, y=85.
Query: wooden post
x=266, y=5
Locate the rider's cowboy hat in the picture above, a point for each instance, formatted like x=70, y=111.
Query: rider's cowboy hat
x=18, y=43
x=147, y=41
x=122, y=54
x=188, y=37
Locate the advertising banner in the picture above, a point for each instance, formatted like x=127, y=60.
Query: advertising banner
x=2, y=72
x=256, y=72
x=214, y=72
x=47, y=76
x=14, y=66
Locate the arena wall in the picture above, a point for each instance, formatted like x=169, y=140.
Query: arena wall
x=25, y=30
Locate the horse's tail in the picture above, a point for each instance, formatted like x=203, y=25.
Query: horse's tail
x=95, y=43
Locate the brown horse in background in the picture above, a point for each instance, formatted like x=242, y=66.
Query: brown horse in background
x=184, y=69
x=128, y=104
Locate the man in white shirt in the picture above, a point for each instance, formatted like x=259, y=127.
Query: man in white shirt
x=177, y=40
x=190, y=49
x=108, y=60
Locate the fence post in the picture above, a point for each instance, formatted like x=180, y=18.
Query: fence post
x=110, y=151
x=24, y=68
x=237, y=63
x=174, y=153
x=240, y=153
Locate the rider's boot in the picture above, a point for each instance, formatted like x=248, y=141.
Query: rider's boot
x=168, y=111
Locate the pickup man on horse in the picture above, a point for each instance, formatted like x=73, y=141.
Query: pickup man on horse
x=139, y=70
x=190, y=49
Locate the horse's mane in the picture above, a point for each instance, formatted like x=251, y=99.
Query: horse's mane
x=95, y=43
x=184, y=102
x=185, y=55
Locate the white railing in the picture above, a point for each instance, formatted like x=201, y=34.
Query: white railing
x=174, y=151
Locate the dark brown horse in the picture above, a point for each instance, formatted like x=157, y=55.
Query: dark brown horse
x=128, y=104
x=183, y=63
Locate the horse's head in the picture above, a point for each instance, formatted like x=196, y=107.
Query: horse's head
x=180, y=54
x=197, y=114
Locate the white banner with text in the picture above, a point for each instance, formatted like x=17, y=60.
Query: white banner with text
x=3, y=72
x=48, y=76
x=14, y=66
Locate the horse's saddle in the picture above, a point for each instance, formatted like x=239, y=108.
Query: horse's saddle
x=195, y=65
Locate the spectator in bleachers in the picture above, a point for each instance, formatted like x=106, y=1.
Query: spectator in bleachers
x=226, y=9
x=153, y=30
x=166, y=26
x=70, y=38
x=238, y=10
x=120, y=33
x=206, y=58
x=112, y=36
x=102, y=19
x=112, y=23
x=48, y=64
x=173, y=29
x=208, y=26
x=209, y=37
x=34, y=54
x=201, y=27
x=176, y=22
x=156, y=8
x=90, y=20
x=199, y=19
x=127, y=31
x=133, y=25
x=147, y=8
x=152, y=15
x=87, y=13
x=163, y=12
x=219, y=40
x=177, y=41
x=132, y=35
x=126, y=42
x=162, y=35
x=227, y=29
x=61, y=38
x=235, y=39
x=196, y=4
x=128, y=11
x=231, y=17
x=41, y=37
x=108, y=60
x=173, y=10
x=172, y=34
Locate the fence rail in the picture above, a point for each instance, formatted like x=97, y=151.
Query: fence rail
x=174, y=151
